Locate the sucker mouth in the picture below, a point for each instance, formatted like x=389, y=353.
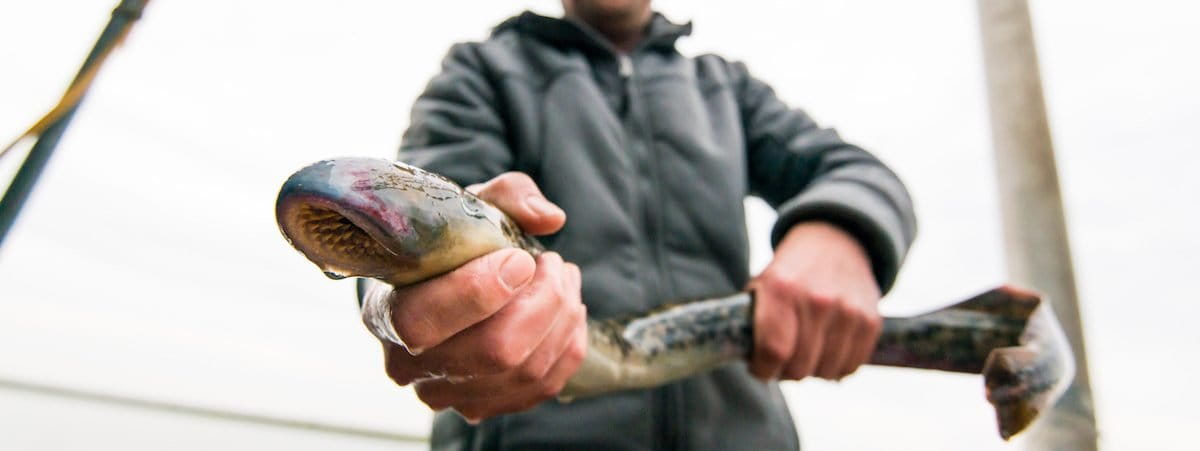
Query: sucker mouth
x=325, y=234
x=336, y=233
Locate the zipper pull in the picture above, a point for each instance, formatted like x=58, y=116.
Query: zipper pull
x=625, y=65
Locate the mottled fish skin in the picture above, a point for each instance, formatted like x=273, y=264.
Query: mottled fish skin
x=666, y=344
x=958, y=338
x=1009, y=336
x=361, y=217
x=426, y=225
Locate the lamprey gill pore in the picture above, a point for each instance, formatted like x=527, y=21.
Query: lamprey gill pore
x=360, y=217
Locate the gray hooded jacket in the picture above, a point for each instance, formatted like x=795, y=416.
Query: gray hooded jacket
x=651, y=154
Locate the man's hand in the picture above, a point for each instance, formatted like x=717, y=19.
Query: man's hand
x=499, y=334
x=814, y=306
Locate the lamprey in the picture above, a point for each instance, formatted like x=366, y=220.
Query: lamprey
x=359, y=217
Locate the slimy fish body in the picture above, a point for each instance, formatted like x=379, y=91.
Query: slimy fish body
x=361, y=217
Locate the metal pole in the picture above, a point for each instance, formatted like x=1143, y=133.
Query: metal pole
x=1035, y=231
x=27, y=175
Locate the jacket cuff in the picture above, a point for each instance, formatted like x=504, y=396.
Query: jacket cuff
x=860, y=211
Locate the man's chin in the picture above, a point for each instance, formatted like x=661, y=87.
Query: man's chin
x=612, y=11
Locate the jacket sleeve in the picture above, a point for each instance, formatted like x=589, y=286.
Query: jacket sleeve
x=809, y=173
x=456, y=128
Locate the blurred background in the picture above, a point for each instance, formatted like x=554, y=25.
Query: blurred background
x=147, y=264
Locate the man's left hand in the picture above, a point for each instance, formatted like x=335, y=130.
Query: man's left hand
x=815, y=306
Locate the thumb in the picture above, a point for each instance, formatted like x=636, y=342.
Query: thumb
x=518, y=196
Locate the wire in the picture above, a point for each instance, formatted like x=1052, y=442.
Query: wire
x=206, y=412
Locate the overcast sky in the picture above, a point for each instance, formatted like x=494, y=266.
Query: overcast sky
x=148, y=263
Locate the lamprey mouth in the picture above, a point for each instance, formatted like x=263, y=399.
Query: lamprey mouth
x=327, y=234
x=332, y=232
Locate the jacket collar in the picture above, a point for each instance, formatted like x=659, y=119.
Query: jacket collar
x=661, y=33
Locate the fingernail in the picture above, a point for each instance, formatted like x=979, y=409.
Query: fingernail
x=541, y=206
x=472, y=421
x=514, y=271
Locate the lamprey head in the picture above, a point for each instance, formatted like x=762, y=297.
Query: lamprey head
x=365, y=217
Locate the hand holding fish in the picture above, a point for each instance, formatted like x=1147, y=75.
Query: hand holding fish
x=815, y=306
x=483, y=343
x=500, y=334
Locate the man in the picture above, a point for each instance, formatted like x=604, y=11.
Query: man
x=632, y=162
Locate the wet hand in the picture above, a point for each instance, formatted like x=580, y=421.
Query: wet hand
x=815, y=306
x=500, y=334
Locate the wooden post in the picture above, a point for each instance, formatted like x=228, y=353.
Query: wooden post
x=1035, y=232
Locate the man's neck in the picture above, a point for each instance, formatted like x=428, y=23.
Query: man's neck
x=623, y=36
x=625, y=41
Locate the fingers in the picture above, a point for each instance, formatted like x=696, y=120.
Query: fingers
x=821, y=277
x=865, y=347
x=775, y=331
x=801, y=332
x=518, y=196
x=836, y=348
x=852, y=329
x=445, y=392
x=810, y=340
x=506, y=339
x=426, y=314
x=519, y=385
x=517, y=345
x=813, y=326
x=527, y=396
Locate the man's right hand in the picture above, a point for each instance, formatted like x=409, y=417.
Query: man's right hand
x=499, y=334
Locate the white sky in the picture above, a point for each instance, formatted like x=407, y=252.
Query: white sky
x=148, y=263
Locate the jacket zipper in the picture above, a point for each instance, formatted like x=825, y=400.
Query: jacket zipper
x=669, y=417
x=625, y=66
